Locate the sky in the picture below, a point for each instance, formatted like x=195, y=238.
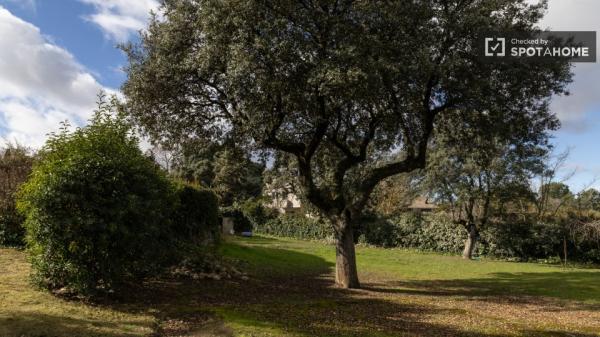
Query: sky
x=55, y=56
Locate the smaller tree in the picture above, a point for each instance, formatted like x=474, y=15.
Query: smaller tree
x=552, y=193
x=225, y=168
x=589, y=200
x=477, y=173
x=97, y=210
x=236, y=177
x=194, y=161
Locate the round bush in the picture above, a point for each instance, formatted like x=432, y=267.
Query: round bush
x=196, y=216
x=97, y=210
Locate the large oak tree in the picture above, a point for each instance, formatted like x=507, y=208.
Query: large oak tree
x=338, y=84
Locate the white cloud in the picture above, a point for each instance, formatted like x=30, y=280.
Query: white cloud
x=119, y=19
x=41, y=84
x=574, y=15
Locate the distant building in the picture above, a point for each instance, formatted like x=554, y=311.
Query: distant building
x=421, y=204
x=285, y=202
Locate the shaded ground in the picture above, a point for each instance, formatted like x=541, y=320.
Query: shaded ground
x=405, y=293
x=25, y=312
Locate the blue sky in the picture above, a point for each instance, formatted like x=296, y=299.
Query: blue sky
x=66, y=24
x=56, y=55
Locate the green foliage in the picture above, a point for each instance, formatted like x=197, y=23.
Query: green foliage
x=338, y=88
x=97, y=210
x=257, y=213
x=558, y=190
x=194, y=162
x=12, y=231
x=226, y=168
x=236, y=178
x=522, y=241
x=589, y=199
x=196, y=219
x=434, y=232
x=298, y=227
x=514, y=240
x=377, y=232
x=15, y=166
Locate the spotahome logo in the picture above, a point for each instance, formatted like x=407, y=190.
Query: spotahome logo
x=495, y=46
x=538, y=46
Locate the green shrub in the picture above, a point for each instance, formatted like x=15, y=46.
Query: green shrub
x=433, y=232
x=12, y=231
x=97, y=210
x=376, y=231
x=297, y=226
x=522, y=240
x=15, y=166
x=196, y=218
x=257, y=213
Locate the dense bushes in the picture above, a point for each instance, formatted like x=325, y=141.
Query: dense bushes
x=432, y=232
x=257, y=213
x=515, y=240
x=15, y=166
x=437, y=232
x=196, y=219
x=522, y=241
x=97, y=210
x=297, y=226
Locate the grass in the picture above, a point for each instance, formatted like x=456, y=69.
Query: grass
x=409, y=269
x=26, y=312
x=291, y=293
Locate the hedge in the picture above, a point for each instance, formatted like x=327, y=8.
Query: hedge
x=437, y=232
x=196, y=219
x=297, y=226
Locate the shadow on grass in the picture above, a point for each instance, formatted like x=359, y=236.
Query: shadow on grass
x=44, y=325
x=572, y=285
x=265, y=261
x=293, y=293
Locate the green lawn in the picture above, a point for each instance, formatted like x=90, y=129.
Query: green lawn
x=291, y=293
x=413, y=270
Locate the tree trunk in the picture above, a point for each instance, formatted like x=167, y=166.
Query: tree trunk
x=471, y=242
x=346, y=275
x=565, y=249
